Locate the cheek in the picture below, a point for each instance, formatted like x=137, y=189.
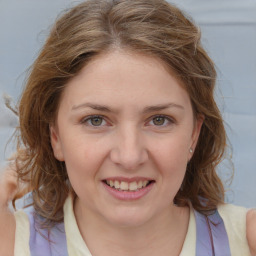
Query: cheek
x=171, y=151
x=171, y=160
x=82, y=168
x=84, y=157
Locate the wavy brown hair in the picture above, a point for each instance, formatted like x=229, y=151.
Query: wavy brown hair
x=149, y=27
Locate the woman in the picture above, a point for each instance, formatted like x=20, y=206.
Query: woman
x=119, y=141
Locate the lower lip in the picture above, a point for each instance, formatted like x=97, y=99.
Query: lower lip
x=128, y=195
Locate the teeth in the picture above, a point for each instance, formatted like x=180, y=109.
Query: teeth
x=117, y=185
x=144, y=183
x=133, y=186
x=125, y=186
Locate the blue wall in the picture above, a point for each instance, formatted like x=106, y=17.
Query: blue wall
x=229, y=35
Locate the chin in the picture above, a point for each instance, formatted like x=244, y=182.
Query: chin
x=128, y=218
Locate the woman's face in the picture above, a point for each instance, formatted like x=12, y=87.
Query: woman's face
x=125, y=127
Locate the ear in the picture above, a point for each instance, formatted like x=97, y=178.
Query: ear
x=56, y=143
x=195, y=135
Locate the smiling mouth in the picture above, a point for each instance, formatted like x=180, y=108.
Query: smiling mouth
x=128, y=186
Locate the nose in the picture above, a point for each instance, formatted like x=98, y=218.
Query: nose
x=129, y=149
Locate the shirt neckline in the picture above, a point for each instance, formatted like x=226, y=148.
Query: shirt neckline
x=77, y=246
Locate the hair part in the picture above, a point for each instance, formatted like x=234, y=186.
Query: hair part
x=150, y=27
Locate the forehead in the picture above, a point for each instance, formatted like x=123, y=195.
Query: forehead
x=125, y=78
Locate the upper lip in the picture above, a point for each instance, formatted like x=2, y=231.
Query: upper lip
x=127, y=179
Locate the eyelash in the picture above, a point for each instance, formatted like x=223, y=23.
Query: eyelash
x=90, y=118
x=166, y=119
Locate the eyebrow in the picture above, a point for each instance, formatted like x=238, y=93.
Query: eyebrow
x=93, y=106
x=162, y=107
x=146, y=110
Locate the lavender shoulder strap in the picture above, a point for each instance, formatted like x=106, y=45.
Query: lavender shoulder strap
x=43, y=242
x=211, y=235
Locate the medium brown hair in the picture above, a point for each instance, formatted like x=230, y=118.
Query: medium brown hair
x=149, y=27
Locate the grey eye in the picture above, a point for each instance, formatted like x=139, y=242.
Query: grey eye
x=96, y=121
x=159, y=120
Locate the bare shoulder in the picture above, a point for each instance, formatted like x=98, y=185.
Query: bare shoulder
x=251, y=230
x=8, y=186
x=7, y=232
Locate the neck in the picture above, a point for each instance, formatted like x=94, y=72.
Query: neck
x=162, y=235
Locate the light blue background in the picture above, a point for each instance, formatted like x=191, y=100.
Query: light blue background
x=228, y=33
